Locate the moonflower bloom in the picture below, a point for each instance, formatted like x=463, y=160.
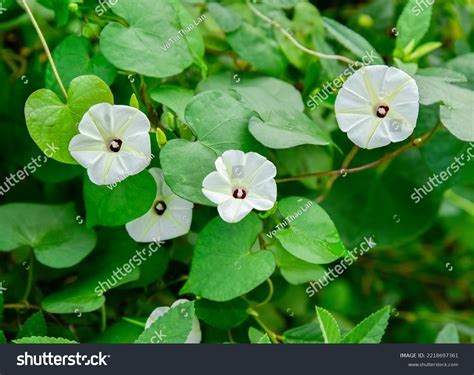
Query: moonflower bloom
x=242, y=182
x=113, y=143
x=169, y=217
x=378, y=105
x=194, y=336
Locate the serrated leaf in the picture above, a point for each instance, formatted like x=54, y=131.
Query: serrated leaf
x=52, y=123
x=223, y=266
x=35, y=325
x=329, y=326
x=43, y=340
x=173, y=327
x=370, y=330
x=57, y=239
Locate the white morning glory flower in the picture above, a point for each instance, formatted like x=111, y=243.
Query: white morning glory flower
x=378, y=105
x=113, y=143
x=169, y=217
x=194, y=336
x=242, y=182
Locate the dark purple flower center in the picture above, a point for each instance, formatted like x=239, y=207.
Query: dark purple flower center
x=239, y=193
x=160, y=208
x=382, y=110
x=115, y=145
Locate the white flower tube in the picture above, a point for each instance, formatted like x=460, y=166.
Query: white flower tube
x=169, y=217
x=378, y=105
x=194, y=336
x=242, y=182
x=113, y=143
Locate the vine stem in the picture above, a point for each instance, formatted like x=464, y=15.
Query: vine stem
x=268, y=331
x=45, y=46
x=29, y=283
x=270, y=294
x=417, y=142
x=294, y=41
x=21, y=306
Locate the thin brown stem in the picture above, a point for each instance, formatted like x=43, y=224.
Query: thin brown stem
x=417, y=142
x=45, y=46
x=294, y=41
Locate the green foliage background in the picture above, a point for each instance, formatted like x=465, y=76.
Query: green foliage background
x=60, y=234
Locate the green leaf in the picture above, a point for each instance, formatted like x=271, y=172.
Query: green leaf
x=308, y=232
x=220, y=123
x=222, y=315
x=96, y=275
x=252, y=44
x=370, y=330
x=260, y=94
x=352, y=41
x=1, y=303
x=174, y=97
x=329, y=326
x=119, y=203
x=3, y=339
x=306, y=334
x=448, y=335
x=34, y=326
x=152, y=44
x=227, y=19
x=73, y=58
x=57, y=239
x=293, y=269
x=282, y=3
x=43, y=340
x=283, y=129
x=463, y=65
x=258, y=337
x=119, y=333
x=223, y=265
x=52, y=123
x=413, y=24
x=170, y=328
x=456, y=111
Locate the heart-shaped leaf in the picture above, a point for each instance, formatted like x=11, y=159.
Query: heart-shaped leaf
x=57, y=239
x=223, y=265
x=52, y=123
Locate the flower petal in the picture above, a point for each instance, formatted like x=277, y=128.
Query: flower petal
x=263, y=195
x=216, y=188
x=257, y=169
x=234, y=210
x=129, y=121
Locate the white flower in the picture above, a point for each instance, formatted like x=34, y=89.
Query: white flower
x=170, y=216
x=113, y=143
x=378, y=105
x=194, y=336
x=242, y=182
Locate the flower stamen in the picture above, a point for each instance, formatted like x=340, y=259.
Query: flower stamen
x=382, y=110
x=239, y=193
x=160, y=207
x=115, y=145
